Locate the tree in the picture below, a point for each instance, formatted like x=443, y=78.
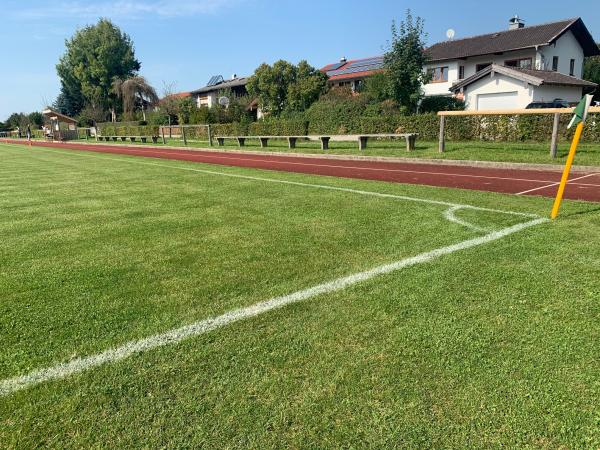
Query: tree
x=285, y=86
x=94, y=57
x=16, y=120
x=135, y=92
x=404, y=62
x=169, y=104
x=591, y=72
x=376, y=87
x=185, y=109
x=36, y=119
x=69, y=101
x=309, y=85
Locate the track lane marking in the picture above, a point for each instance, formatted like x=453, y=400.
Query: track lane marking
x=558, y=182
x=103, y=148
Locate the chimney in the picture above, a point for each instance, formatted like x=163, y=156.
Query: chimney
x=514, y=23
x=343, y=59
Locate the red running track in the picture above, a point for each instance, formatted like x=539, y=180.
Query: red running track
x=582, y=186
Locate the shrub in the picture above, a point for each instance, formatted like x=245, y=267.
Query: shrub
x=229, y=129
x=279, y=127
x=437, y=103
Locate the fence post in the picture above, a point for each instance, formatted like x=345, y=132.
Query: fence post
x=210, y=142
x=442, y=144
x=162, y=132
x=554, y=144
x=183, y=135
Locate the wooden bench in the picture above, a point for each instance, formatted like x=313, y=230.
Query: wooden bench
x=144, y=139
x=362, y=139
x=411, y=139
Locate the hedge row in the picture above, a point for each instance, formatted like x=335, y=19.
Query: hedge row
x=458, y=128
x=130, y=130
x=279, y=128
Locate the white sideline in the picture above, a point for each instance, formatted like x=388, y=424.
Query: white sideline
x=63, y=370
x=126, y=158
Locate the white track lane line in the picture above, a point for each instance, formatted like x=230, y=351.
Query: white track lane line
x=174, y=336
x=334, y=166
x=558, y=182
x=124, y=159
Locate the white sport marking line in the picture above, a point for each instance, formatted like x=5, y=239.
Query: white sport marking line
x=78, y=365
x=449, y=214
x=239, y=158
x=335, y=166
x=557, y=183
x=124, y=158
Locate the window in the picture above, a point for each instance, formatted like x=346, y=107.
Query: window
x=555, y=63
x=461, y=72
x=523, y=63
x=482, y=66
x=572, y=68
x=438, y=74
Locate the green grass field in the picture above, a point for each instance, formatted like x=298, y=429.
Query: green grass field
x=491, y=345
x=588, y=154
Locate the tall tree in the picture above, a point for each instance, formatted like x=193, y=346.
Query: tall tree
x=310, y=83
x=591, y=72
x=285, y=86
x=94, y=57
x=405, y=61
x=135, y=92
x=169, y=103
x=69, y=101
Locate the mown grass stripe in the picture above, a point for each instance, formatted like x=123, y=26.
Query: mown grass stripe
x=63, y=370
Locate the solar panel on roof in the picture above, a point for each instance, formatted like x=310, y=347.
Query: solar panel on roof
x=357, y=68
x=336, y=66
x=216, y=79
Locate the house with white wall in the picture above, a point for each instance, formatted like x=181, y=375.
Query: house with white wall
x=512, y=68
x=209, y=95
x=506, y=69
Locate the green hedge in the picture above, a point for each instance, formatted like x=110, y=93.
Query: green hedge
x=128, y=130
x=271, y=127
x=229, y=129
x=499, y=128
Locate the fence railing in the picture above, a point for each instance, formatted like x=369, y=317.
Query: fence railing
x=557, y=112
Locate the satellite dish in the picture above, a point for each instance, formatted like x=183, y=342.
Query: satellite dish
x=224, y=101
x=450, y=33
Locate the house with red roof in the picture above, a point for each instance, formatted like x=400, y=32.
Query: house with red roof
x=352, y=73
x=507, y=69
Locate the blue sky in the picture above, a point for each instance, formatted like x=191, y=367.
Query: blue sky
x=185, y=41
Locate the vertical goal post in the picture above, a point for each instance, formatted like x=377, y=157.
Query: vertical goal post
x=511, y=112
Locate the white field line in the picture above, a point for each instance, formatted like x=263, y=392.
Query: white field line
x=449, y=214
x=125, y=159
x=78, y=365
x=336, y=166
x=558, y=182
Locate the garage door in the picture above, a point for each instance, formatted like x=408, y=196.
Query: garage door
x=497, y=100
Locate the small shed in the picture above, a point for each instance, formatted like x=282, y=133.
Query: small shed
x=59, y=127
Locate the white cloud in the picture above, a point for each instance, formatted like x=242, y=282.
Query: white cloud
x=124, y=9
